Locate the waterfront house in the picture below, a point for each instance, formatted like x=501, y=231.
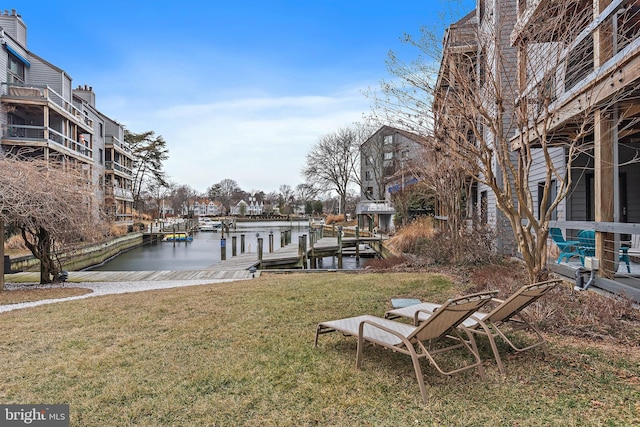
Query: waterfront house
x=241, y=208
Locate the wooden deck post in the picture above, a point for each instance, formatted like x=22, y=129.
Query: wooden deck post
x=301, y=253
x=339, y=247
x=357, y=243
x=260, y=249
x=605, y=169
x=223, y=249
x=305, y=253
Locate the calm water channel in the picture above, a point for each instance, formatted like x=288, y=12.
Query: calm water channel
x=204, y=250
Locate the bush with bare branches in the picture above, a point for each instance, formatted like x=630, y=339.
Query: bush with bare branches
x=53, y=205
x=442, y=247
x=565, y=311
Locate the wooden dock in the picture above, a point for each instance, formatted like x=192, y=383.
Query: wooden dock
x=233, y=268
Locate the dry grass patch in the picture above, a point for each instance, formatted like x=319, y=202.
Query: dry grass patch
x=241, y=353
x=411, y=236
x=16, y=296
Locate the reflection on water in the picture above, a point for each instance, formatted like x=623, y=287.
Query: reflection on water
x=204, y=250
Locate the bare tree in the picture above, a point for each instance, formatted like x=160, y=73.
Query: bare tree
x=333, y=160
x=158, y=191
x=182, y=198
x=54, y=207
x=306, y=192
x=507, y=100
x=285, y=198
x=271, y=199
x=226, y=192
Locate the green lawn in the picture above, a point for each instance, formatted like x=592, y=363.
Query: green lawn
x=242, y=353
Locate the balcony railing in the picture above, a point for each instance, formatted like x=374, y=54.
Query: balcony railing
x=112, y=140
x=575, y=66
x=375, y=207
x=123, y=193
x=55, y=138
x=114, y=166
x=119, y=192
x=44, y=92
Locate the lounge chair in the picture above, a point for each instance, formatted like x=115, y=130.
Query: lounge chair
x=416, y=341
x=505, y=318
x=568, y=248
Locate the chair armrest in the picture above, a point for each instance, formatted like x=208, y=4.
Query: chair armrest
x=416, y=315
x=390, y=331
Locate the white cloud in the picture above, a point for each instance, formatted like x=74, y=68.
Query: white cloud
x=261, y=143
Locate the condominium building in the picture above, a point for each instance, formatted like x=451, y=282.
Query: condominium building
x=388, y=164
x=559, y=82
x=42, y=116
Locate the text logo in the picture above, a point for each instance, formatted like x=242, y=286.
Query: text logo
x=34, y=415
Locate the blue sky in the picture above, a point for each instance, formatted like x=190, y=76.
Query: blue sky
x=239, y=89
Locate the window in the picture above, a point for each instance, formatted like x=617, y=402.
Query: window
x=388, y=140
x=100, y=156
x=15, y=70
x=101, y=127
x=367, y=176
x=482, y=67
x=388, y=155
x=552, y=196
x=369, y=191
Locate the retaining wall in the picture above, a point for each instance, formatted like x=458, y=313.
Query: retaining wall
x=84, y=256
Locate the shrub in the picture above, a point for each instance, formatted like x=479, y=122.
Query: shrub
x=564, y=310
x=15, y=242
x=117, y=230
x=377, y=264
x=413, y=236
x=334, y=219
x=421, y=238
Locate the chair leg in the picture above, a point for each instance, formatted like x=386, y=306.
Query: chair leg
x=476, y=355
x=494, y=346
x=359, y=351
x=419, y=377
x=624, y=257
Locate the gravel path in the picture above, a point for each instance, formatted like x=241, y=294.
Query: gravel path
x=103, y=288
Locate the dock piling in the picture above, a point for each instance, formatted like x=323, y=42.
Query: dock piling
x=234, y=249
